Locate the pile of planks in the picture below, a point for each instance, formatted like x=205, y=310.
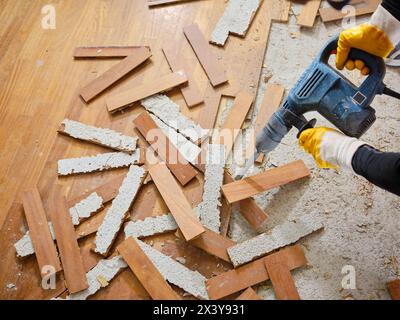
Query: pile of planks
x=170, y=150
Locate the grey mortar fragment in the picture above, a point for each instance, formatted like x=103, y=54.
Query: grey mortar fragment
x=208, y=209
x=236, y=19
x=176, y=273
x=150, y=226
x=99, y=162
x=106, y=269
x=188, y=149
x=282, y=235
x=119, y=207
x=85, y=208
x=103, y=136
x=24, y=246
x=168, y=112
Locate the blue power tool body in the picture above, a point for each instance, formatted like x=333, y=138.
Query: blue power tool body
x=323, y=89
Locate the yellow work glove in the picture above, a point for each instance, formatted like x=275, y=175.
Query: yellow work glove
x=378, y=37
x=330, y=148
x=366, y=37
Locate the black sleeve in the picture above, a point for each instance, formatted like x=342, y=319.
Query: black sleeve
x=393, y=6
x=379, y=168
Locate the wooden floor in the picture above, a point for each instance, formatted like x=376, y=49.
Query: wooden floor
x=40, y=81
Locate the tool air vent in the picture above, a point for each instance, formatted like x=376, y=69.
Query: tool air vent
x=311, y=83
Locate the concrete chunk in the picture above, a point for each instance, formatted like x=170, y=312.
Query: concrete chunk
x=150, y=226
x=176, y=273
x=120, y=205
x=208, y=209
x=236, y=19
x=99, y=162
x=104, y=270
x=280, y=236
x=168, y=112
x=102, y=136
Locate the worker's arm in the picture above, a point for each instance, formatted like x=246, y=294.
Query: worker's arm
x=332, y=149
x=378, y=37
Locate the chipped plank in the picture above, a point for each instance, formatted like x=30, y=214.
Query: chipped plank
x=208, y=209
x=150, y=226
x=236, y=20
x=85, y=208
x=126, y=98
x=282, y=235
x=212, y=67
x=272, y=178
x=119, y=208
x=169, y=113
x=100, y=136
x=176, y=273
x=115, y=73
x=100, y=162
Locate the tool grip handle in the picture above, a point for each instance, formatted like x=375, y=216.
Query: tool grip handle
x=374, y=63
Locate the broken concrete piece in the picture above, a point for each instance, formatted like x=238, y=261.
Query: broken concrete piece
x=150, y=226
x=99, y=162
x=120, y=205
x=85, y=208
x=24, y=246
x=280, y=236
x=168, y=111
x=236, y=19
x=188, y=149
x=105, y=270
x=104, y=137
x=208, y=209
x=176, y=273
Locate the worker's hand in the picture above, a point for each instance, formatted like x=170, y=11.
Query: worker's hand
x=366, y=37
x=330, y=148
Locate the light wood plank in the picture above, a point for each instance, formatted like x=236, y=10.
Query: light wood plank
x=122, y=100
x=46, y=253
x=249, y=294
x=114, y=74
x=74, y=270
x=308, y=13
x=272, y=100
x=281, y=278
x=362, y=7
x=267, y=180
x=281, y=9
x=252, y=273
x=213, y=68
x=190, y=92
x=164, y=149
x=176, y=201
x=145, y=271
x=106, y=52
x=234, y=121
